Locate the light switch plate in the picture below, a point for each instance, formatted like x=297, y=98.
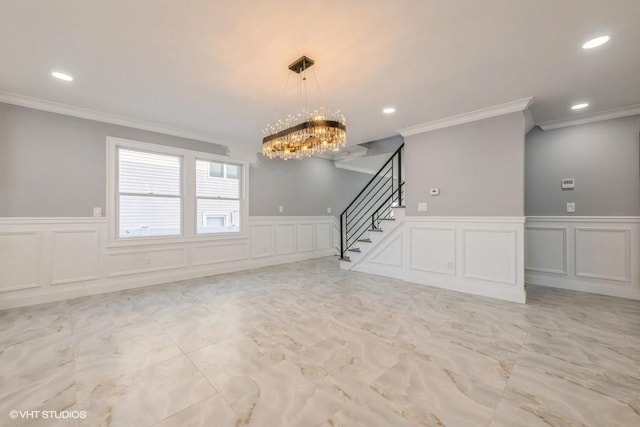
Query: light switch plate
x=422, y=207
x=280, y=209
x=328, y=210
x=97, y=211
x=571, y=207
x=568, y=183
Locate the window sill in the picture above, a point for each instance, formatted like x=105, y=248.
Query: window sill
x=178, y=240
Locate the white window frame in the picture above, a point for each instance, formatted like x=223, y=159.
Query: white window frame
x=188, y=182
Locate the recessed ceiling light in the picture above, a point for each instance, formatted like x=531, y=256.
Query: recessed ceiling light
x=598, y=41
x=580, y=106
x=389, y=110
x=62, y=76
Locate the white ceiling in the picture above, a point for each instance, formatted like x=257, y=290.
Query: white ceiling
x=220, y=67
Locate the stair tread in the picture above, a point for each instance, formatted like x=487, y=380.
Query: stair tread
x=387, y=219
x=365, y=240
x=354, y=250
x=346, y=258
x=376, y=230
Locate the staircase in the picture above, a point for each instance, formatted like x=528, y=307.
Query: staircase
x=376, y=210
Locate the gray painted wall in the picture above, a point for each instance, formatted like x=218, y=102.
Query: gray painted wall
x=53, y=165
x=604, y=159
x=302, y=187
x=478, y=166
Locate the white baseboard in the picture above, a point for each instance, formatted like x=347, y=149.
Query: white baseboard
x=581, y=286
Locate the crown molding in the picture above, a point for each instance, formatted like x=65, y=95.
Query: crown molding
x=472, y=116
x=85, y=113
x=615, y=113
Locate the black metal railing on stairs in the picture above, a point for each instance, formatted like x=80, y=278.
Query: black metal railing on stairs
x=373, y=204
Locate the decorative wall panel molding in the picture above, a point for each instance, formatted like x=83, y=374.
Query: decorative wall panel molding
x=433, y=250
x=50, y=259
x=489, y=255
x=603, y=253
x=262, y=240
x=482, y=256
x=546, y=249
x=324, y=233
x=219, y=252
x=600, y=255
x=285, y=239
x=122, y=263
x=20, y=260
x=306, y=237
x=389, y=253
x=75, y=255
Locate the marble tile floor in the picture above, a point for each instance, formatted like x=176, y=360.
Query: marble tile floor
x=307, y=344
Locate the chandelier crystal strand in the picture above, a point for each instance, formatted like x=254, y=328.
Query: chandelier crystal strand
x=307, y=133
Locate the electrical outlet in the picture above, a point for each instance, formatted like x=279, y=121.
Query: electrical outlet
x=328, y=210
x=450, y=266
x=434, y=192
x=97, y=211
x=280, y=209
x=571, y=207
x=422, y=207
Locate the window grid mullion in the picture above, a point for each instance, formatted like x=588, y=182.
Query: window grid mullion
x=176, y=196
x=218, y=198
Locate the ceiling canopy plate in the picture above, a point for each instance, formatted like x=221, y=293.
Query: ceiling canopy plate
x=301, y=64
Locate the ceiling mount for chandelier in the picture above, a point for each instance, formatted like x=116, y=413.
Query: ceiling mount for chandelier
x=307, y=133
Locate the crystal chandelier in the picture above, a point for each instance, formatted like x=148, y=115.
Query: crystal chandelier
x=307, y=133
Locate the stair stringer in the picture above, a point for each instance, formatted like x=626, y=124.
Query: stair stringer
x=385, y=256
x=375, y=237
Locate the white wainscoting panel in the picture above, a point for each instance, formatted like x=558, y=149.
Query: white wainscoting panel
x=389, y=252
x=547, y=249
x=285, y=239
x=262, y=240
x=324, y=233
x=219, y=252
x=601, y=254
x=478, y=255
x=75, y=256
x=50, y=259
x=20, y=259
x=125, y=262
x=305, y=235
x=433, y=250
x=489, y=255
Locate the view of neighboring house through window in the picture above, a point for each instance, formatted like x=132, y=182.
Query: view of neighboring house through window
x=149, y=194
x=218, y=193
